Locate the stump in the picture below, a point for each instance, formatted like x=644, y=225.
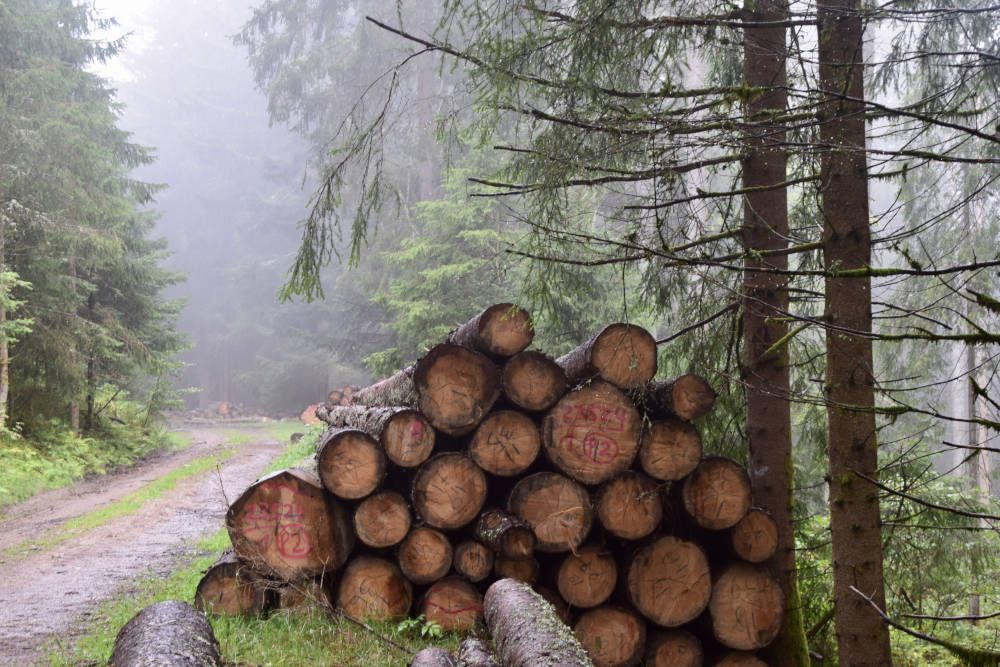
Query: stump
x=456, y=388
x=374, y=589
x=382, y=520
x=287, y=525
x=612, y=636
x=228, y=587
x=505, y=534
x=747, y=607
x=166, y=633
x=449, y=491
x=717, y=494
x=592, y=433
x=350, y=463
x=505, y=443
x=630, y=506
x=453, y=603
x=533, y=381
x=755, y=537
x=557, y=509
x=622, y=354
x=588, y=578
x=405, y=435
x=473, y=560
x=501, y=330
x=674, y=648
x=669, y=581
x=425, y=555
x=670, y=450
x=525, y=629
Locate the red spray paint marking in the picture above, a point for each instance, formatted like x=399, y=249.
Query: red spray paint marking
x=282, y=521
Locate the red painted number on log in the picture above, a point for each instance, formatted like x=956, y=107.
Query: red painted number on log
x=607, y=418
x=280, y=520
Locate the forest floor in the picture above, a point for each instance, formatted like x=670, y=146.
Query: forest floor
x=64, y=552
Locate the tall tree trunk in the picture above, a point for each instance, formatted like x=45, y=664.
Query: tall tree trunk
x=4, y=348
x=977, y=468
x=862, y=637
x=765, y=300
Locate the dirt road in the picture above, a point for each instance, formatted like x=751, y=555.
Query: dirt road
x=50, y=592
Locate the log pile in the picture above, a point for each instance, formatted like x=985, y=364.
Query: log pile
x=582, y=476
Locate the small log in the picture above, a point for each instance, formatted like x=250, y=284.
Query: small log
x=687, y=397
x=629, y=506
x=309, y=416
x=166, y=633
x=306, y=595
x=612, y=636
x=374, y=589
x=521, y=569
x=433, y=657
x=592, y=433
x=382, y=520
x=670, y=449
x=229, y=587
x=525, y=629
x=587, y=578
x=533, y=381
x=350, y=463
x=740, y=659
x=505, y=443
x=755, y=538
x=449, y=491
x=747, y=607
x=395, y=390
x=501, y=330
x=473, y=560
x=457, y=387
x=622, y=354
x=557, y=509
x=674, y=648
x=475, y=653
x=505, y=534
x=454, y=604
x=405, y=435
x=669, y=581
x=425, y=555
x=561, y=607
x=288, y=526
x=717, y=494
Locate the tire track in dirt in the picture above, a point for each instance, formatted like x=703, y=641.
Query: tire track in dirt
x=49, y=594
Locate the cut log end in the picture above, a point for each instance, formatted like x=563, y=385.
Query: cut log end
x=350, y=463
x=521, y=569
x=408, y=439
x=533, y=381
x=755, y=537
x=747, y=607
x=382, y=520
x=166, y=633
x=506, y=534
x=425, y=555
x=674, y=648
x=449, y=491
x=454, y=604
x=230, y=589
x=613, y=637
x=670, y=449
x=669, y=581
x=630, y=506
x=505, y=443
x=622, y=354
x=587, y=579
x=717, y=494
x=374, y=589
x=557, y=509
x=473, y=560
x=457, y=388
x=501, y=330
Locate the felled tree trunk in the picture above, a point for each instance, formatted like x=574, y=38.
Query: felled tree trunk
x=521, y=569
x=350, y=463
x=374, y=589
x=630, y=506
x=747, y=607
x=755, y=538
x=674, y=648
x=405, y=435
x=453, y=603
x=433, y=657
x=425, y=555
x=717, y=494
x=622, y=354
x=557, y=509
x=587, y=578
x=166, y=633
x=505, y=443
x=473, y=560
x=229, y=587
x=382, y=520
x=533, y=381
x=505, y=534
x=449, y=491
x=612, y=636
x=501, y=330
x=395, y=390
x=686, y=397
x=525, y=629
x=669, y=581
x=475, y=653
x=456, y=386
x=670, y=449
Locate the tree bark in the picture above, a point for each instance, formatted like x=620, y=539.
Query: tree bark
x=505, y=534
x=475, y=653
x=855, y=525
x=502, y=330
x=433, y=657
x=405, y=435
x=166, y=633
x=622, y=354
x=526, y=630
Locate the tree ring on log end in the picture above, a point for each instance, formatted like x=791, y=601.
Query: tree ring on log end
x=557, y=508
x=669, y=581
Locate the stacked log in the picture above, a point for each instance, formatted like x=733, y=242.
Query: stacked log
x=581, y=477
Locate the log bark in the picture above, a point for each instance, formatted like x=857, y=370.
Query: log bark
x=350, y=463
x=405, y=435
x=382, y=520
x=166, y=633
x=525, y=629
x=747, y=607
x=395, y=390
x=674, y=648
x=229, y=587
x=433, y=657
x=557, y=509
x=669, y=581
x=286, y=525
x=454, y=604
x=587, y=578
x=505, y=443
x=473, y=560
x=456, y=386
x=374, y=589
x=717, y=494
x=425, y=555
x=755, y=538
x=622, y=354
x=561, y=607
x=612, y=636
x=686, y=397
x=630, y=506
x=502, y=330
x=476, y=653
x=505, y=534
x=449, y=491
x=592, y=433
x=533, y=381
x=521, y=569
x=670, y=449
